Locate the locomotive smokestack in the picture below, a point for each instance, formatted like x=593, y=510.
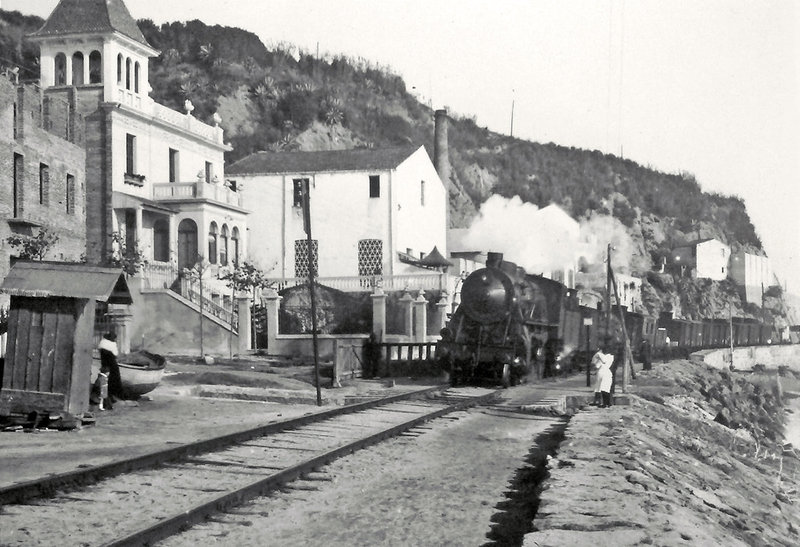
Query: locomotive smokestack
x=493, y=260
x=441, y=156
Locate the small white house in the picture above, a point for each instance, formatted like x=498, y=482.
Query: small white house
x=706, y=258
x=373, y=211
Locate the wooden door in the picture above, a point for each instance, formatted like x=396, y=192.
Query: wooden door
x=39, y=353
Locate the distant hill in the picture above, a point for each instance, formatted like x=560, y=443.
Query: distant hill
x=282, y=98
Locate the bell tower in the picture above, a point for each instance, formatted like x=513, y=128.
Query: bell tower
x=96, y=47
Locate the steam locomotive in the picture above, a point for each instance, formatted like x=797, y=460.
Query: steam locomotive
x=512, y=326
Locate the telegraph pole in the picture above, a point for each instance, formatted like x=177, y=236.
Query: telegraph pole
x=311, y=275
x=608, y=290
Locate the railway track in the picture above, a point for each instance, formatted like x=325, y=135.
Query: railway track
x=144, y=500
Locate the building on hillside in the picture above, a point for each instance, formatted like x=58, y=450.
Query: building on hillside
x=706, y=259
x=373, y=211
x=42, y=172
x=753, y=273
x=154, y=175
x=629, y=290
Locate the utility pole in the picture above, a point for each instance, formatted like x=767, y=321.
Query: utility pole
x=512, y=117
x=311, y=275
x=730, y=322
x=608, y=290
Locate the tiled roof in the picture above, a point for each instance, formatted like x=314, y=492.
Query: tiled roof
x=362, y=159
x=91, y=16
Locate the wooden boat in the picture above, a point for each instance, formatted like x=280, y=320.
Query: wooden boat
x=140, y=372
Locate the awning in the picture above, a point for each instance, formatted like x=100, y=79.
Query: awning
x=47, y=279
x=120, y=200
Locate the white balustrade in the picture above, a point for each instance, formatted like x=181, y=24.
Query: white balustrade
x=409, y=282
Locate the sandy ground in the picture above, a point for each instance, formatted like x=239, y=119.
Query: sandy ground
x=174, y=414
x=443, y=487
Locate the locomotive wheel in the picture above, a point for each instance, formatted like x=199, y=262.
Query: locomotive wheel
x=506, y=379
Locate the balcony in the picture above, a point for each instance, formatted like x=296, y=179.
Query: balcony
x=184, y=191
x=184, y=121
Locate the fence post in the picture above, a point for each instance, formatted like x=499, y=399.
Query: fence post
x=243, y=301
x=421, y=317
x=441, y=310
x=379, y=313
x=273, y=303
x=406, y=302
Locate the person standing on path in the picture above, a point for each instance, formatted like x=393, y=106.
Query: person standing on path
x=602, y=361
x=110, y=366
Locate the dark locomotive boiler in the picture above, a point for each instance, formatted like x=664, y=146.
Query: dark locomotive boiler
x=503, y=321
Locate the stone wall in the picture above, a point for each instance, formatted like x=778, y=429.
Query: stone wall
x=745, y=358
x=165, y=323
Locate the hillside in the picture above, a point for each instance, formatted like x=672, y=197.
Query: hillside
x=282, y=98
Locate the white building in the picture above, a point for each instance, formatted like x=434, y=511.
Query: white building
x=373, y=211
x=753, y=272
x=154, y=175
x=707, y=258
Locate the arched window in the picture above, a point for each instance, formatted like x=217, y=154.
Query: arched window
x=128, y=73
x=95, y=67
x=161, y=240
x=223, y=246
x=119, y=69
x=235, y=246
x=61, y=69
x=187, y=244
x=136, y=77
x=77, y=68
x=212, y=243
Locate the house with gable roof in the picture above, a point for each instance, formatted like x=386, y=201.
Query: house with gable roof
x=705, y=258
x=373, y=211
x=153, y=175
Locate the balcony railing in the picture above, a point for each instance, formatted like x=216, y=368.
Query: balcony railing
x=411, y=282
x=196, y=190
x=179, y=119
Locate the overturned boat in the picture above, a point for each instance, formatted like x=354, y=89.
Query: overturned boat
x=140, y=372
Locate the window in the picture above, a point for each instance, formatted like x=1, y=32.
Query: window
x=136, y=77
x=61, y=69
x=422, y=193
x=297, y=192
x=301, y=258
x=77, y=68
x=235, y=250
x=95, y=68
x=223, y=246
x=212, y=243
x=130, y=154
x=44, y=184
x=19, y=172
x=374, y=186
x=119, y=69
x=209, y=171
x=70, y=195
x=173, y=165
x=127, y=73
x=130, y=229
x=161, y=240
x=370, y=257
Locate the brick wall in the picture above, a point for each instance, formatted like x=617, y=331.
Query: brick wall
x=36, y=146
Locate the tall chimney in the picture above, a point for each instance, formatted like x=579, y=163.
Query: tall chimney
x=441, y=157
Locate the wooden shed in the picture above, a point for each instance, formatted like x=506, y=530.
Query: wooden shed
x=48, y=356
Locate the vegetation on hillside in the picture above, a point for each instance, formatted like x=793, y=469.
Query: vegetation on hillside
x=273, y=98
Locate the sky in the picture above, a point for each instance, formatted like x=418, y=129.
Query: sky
x=709, y=87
